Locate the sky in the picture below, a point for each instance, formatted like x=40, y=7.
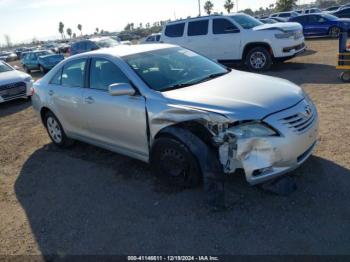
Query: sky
x=23, y=20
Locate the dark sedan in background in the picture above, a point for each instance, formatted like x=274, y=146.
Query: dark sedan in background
x=321, y=24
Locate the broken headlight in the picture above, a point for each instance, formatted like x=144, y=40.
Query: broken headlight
x=253, y=129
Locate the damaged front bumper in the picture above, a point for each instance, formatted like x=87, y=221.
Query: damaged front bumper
x=265, y=158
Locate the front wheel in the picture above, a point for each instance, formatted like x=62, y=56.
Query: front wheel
x=55, y=131
x=345, y=76
x=259, y=59
x=174, y=164
x=334, y=32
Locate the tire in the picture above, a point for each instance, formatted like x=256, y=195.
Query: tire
x=174, y=164
x=42, y=69
x=334, y=32
x=26, y=69
x=55, y=131
x=258, y=59
x=345, y=76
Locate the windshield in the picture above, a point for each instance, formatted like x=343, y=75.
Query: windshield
x=108, y=42
x=246, y=21
x=173, y=68
x=43, y=53
x=4, y=67
x=330, y=17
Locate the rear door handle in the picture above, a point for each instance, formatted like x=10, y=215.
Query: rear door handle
x=89, y=100
x=51, y=93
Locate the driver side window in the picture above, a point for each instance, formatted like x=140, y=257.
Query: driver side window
x=103, y=73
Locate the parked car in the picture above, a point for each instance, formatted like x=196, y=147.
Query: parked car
x=321, y=24
x=8, y=56
x=183, y=113
x=285, y=15
x=92, y=44
x=52, y=46
x=237, y=38
x=312, y=11
x=43, y=60
x=63, y=48
x=342, y=13
x=151, y=39
x=268, y=21
x=279, y=19
x=13, y=84
x=332, y=9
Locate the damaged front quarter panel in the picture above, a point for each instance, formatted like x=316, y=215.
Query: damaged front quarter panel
x=251, y=154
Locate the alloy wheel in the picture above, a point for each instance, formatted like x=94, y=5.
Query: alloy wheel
x=258, y=60
x=54, y=130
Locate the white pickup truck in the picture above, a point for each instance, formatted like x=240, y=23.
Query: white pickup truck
x=237, y=37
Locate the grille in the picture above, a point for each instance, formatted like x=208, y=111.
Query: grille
x=12, y=90
x=300, y=122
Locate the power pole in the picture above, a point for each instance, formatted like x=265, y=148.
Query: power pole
x=199, y=7
x=237, y=5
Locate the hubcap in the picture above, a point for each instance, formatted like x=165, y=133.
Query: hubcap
x=174, y=163
x=258, y=60
x=54, y=130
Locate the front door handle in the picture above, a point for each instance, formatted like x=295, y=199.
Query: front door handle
x=51, y=93
x=89, y=100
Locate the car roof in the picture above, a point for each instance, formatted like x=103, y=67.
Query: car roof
x=206, y=16
x=124, y=50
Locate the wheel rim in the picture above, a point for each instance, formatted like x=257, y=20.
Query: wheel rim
x=258, y=60
x=174, y=164
x=54, y=129
x=335, y=32
x=345, y=76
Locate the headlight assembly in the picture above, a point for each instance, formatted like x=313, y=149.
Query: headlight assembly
x=284, y=35
x=252, y=129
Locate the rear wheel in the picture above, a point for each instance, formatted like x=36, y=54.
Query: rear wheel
x=258, y=59
x=174, y=164
x=55, y=131
x=334, y=32
x=345, y=76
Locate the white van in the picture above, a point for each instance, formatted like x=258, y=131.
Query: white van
x=237, y=37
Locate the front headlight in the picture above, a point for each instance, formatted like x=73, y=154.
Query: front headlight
x=252, y=129
x=284, y=35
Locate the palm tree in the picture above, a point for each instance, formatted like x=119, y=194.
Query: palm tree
x=97, y=30
x=229, y=5
x=69, y=32
x=61, y=29
x=80, y=28
x=208, y=7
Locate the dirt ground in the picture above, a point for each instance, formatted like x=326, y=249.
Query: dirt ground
x=86, y=200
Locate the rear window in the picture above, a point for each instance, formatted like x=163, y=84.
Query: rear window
x=176, y=30
x=285, y=15
x=198, y=28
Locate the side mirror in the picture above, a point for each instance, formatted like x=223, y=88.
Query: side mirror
x=121, y=89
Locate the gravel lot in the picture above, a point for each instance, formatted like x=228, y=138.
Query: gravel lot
x=90, y=201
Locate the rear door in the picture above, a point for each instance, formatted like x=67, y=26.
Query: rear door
x=197, y=37
x=226, y=40
x=115, y=121
x=65, y=92
x=174, y=34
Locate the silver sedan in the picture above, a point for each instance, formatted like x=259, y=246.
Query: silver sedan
x=188, y=116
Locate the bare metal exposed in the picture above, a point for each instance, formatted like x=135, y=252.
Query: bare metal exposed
x=180, y=111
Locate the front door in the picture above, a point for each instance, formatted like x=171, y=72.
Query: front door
x=225, y=40
x=115, y=121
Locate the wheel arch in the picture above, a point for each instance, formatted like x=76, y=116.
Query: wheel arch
x=250, y=46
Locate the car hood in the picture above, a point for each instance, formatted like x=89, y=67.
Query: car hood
x=239, y=95
x=11, y=77
x=288, y=26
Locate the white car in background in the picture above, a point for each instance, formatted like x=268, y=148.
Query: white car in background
x=237, y=37
x=14, y=84
x=151, y=39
